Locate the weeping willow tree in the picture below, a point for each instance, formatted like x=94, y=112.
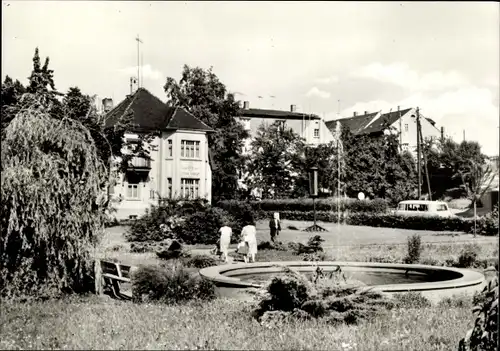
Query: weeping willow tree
x=52, y=216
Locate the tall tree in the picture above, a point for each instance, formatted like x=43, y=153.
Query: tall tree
x=10, y=97
x=376, y=167
x=201, y=92
x=277, y=157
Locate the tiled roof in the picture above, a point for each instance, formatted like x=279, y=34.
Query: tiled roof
x=360, y=124
x=150, y=113
x=355, y=123
x=262, y=113
x=384, y=121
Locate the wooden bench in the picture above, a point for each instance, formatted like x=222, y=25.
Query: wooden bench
x=112, y=278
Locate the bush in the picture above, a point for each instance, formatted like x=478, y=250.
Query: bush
x=484, y=334
x=314, y=257
x=411, y=300
x=269, y=245
x=170, y=285
x=488, y=224
x=203, y=227
x=468, y=256
x=265, y=208
x=201, y=261
x=414, y=249
x=293, y=296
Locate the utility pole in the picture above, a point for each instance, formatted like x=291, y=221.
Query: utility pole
x=419, y=172
x=400, y=131
x=426, y=168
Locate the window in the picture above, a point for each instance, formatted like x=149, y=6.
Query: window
x=442, y=208
x=246, y=123
x=151, y=194
x=133, y=186
x=133, y=191
x=169, y=187
x=405, y=146
x=190, y=149
x=406, y=127
x=190, y=188
x=316, y=133
x=170, y=148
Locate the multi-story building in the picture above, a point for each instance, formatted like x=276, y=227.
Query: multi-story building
x=308, y=126
x=401, y=122
x=179, y=165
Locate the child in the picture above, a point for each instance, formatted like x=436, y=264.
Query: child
x=243, y=249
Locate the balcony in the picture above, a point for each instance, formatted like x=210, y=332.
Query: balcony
x=139, y=164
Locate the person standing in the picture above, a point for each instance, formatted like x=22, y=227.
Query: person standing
x=275, y=226
x=225, y=240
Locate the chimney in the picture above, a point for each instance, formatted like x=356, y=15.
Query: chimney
x=355, y=114
x=246, y=105
x=293, y=108
x=107, y=104
x=442, y=134
x=366, y=112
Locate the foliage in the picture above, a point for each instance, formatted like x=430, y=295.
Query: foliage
x=488, y=224
x=276, y=153
x=468, y=256
x=314, y=256
x=411, y=299
x=201, y=261
x=205, y=96
x=51, y=205
x=484, y=334
x=162, y=221
x=203, y=227
x=170, y=285
x=279, y=205
x=11, y=95
x=313, y=246
x=375, y=166
x=269, y=245
x=446, y=160
x=291, y=296
x=414, y=249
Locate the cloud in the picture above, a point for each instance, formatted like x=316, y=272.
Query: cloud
x=147, y=72
x=400, y=74
x=314, y=91
x=327, y=80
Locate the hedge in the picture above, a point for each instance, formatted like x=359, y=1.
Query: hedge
x=385, y=220
x=351, y=205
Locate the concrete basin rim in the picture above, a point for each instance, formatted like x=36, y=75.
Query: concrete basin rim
x=468, y=277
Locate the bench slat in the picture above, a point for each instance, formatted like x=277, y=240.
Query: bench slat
x=115, y=277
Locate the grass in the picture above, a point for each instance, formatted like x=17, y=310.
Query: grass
x=101, y=323
x=95, y=323
x=342, y=242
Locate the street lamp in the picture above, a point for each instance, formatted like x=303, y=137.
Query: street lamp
x=313, y=193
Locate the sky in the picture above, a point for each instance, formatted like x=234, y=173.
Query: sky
x=327, y=58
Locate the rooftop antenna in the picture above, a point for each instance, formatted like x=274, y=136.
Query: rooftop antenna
x=139, y=41
x=338, y=108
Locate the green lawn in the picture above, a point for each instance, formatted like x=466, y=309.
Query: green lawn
x=95, y=323
x=342, y=242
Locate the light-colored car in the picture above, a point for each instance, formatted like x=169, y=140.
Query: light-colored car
x=424, y=208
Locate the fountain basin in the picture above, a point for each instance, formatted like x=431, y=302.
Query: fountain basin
x=433, y=282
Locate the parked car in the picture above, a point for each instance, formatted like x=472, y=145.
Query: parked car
x=424, y=208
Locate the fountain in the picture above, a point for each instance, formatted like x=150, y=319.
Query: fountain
x=432, y=281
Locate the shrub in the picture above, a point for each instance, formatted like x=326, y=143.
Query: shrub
x=313, y=245
x=314, y=257
x=201, y=261
x=203, y=227
x=430, y=262
x=468, y=256
x=411, y=300
x=414, y=243
x=269, y=245
x=170, y=285
x=484, y=334
x=52, y=211
x=265, y=208
x=458, y=301
x=487, y=224
x=293, y=296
